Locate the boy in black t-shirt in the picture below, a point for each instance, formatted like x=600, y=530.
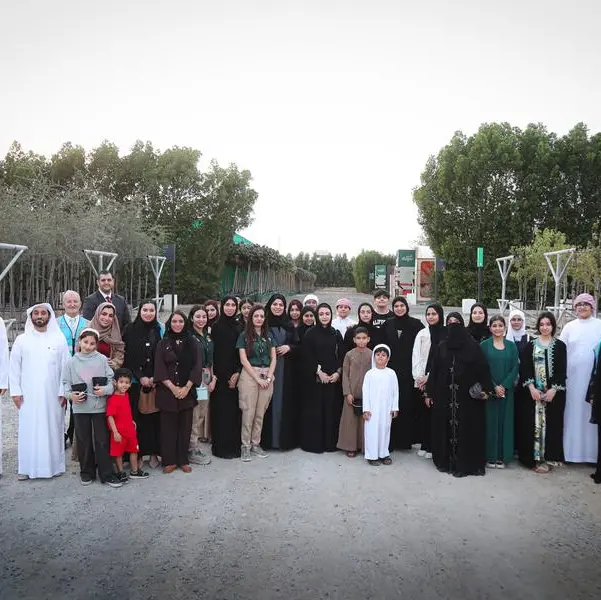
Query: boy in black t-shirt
x=382, y=311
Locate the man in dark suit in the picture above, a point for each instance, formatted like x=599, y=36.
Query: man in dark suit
x=106, y=285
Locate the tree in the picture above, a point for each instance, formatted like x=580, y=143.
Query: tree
x=364, y=265
x=498, y=187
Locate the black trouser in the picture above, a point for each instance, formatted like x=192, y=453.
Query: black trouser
x=176, y=428
x=92, y=435
x=71, y=428
x=597, y=474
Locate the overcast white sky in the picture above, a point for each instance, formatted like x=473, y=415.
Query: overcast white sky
x=334, y=106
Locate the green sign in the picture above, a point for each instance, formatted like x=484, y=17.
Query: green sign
x=480, y=258
x=380, y=276
x=405, y=258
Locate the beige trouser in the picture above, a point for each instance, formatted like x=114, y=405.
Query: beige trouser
x=253, y=401
x=200, y=424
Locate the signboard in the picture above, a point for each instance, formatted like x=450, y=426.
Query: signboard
x=405, y=258
x=405, y=271
x=426, y=268
x=480, y=258
x=380, y=276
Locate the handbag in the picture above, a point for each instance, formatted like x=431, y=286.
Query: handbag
x=358, y=406
x=475, y=391
x=146, y=402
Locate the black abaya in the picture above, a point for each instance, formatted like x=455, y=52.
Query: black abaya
x=226, y=419
x=399, y=335
x=321, y=403
x=458, y=420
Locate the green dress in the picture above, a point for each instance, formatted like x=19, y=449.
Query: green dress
x=504, y=368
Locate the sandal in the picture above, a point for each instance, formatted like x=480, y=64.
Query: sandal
x=374, y=463
x=387, y=461
x=542, y=468
x=351, y=454
x=153, y=463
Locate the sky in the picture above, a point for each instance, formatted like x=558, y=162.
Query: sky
x=334, y=106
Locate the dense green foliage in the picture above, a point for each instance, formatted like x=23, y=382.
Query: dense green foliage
x=497, y=188
x=132, y=204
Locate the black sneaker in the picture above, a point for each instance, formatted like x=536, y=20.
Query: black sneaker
x=122, y=476
x=138, y=474
x=86, y=479
x=113, y=481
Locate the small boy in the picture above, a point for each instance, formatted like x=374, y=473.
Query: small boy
x=380, y=406
x=342, y=322
x=381, y=310
x=122, y=427
x=357, y=363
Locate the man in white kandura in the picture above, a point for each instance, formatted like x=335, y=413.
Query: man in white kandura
x=36, y=363
x=581, y=338
x=380, y=406
x=3, y=376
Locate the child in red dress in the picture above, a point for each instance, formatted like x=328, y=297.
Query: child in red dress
x=123, y=427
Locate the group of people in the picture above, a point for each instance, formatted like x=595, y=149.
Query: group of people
x=247, y=377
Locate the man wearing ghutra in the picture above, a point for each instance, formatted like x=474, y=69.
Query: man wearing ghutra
x=581, y=337
x=36, y=362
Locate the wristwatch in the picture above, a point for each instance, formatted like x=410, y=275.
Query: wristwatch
x=268, y=379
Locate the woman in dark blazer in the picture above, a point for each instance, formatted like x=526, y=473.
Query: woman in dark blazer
x=177, y=374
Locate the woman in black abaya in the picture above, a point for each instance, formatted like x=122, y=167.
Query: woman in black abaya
x=400, y=332
x=321, y=407
x=280, y=419
x=458, y=419
x=226, y=419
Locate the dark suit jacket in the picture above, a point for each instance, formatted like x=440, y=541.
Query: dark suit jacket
x=93, y=301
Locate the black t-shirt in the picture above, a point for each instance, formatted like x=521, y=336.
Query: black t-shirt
x=378, y=320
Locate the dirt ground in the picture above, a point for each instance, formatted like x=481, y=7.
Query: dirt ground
x=301, y=526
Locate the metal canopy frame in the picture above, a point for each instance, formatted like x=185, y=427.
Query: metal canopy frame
x=100, y=254
x=14, y=259
x=504, y=263
x=558, y=271
x=157, y=263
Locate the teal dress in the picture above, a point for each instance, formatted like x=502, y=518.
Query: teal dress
x=504, y=368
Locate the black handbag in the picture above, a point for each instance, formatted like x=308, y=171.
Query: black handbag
x=358, y=406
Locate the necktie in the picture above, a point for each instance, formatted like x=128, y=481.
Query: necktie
x=108, y=299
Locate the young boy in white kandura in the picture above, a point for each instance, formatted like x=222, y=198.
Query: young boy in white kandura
x=380, y=406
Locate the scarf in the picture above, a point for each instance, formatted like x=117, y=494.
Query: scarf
x=512, y=334
x=273, y=320
x=479, y=331
x=111, y=334
x=437, y=331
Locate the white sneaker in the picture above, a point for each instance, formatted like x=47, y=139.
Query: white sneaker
x=245, y=455
x=500, y=464
x=491, y=465
x=415, y=446
x=421, y=453
x=428, y=455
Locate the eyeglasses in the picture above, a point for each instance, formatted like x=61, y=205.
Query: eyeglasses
x=582, y=304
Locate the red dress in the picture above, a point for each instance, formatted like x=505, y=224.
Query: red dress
x=119, y=408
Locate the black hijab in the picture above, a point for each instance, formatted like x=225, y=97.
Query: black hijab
x=224, y=334
x=272, y=320
x=318, y=323
x=437, y=331
x=457, y=335
x=479, y=331
x=182, y=343
x=136, y=336
x=302, y=328
x=369, y=326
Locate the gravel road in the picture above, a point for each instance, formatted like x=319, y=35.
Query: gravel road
x=301, y=526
